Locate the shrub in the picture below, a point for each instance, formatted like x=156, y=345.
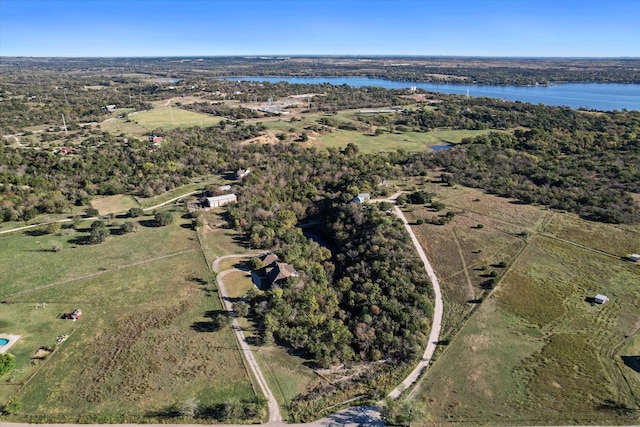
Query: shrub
x=7, y=363
x=92, y=212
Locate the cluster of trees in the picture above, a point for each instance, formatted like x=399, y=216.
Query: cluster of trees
x=35, y=182
x=219, y=109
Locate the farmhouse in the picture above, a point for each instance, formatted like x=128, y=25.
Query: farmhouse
x=277, y=271
x=218, y=201
x=600, y=299
x=634, y=257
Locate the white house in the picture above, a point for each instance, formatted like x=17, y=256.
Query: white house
x=600, y=299
x=634, y=257
x=218, y=201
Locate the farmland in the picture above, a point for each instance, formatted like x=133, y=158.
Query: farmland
x=533, y=348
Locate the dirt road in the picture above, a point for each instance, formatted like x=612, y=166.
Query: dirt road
x=274, y=408
x=438, y=310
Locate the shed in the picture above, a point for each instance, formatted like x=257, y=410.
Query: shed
x=600, y=299
x=361, y=198
x=217, y=201
x=634, y=257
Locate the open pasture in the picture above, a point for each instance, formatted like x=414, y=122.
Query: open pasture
x=169, y=118
x=538, y=350
x=113, y=204
x=364, y=138
x=146, y=342
x=468, y=250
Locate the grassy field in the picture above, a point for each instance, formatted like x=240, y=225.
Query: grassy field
x=162, y=118
x=364, y=139
x=114, y=204
x=126, y=126
x=537, y=350
x=463, y=255
x=145, y=342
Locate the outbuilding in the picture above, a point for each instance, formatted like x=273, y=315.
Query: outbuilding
x=218, y=201
x=600, y=299
x=634, y=257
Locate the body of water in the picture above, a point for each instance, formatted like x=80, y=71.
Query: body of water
x=597, y=96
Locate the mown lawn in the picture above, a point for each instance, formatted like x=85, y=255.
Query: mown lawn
x=146, y=342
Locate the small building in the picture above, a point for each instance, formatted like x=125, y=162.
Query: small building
x=224, y=188
x=361, y=198
x=110, y=108
x=64, y=151
x=634, y=257
x=73, y=315
x=241, y=173
x=155, y=139
x=600, y=299
x=218, y=201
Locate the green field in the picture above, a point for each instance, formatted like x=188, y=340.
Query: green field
x=162, y=118
x=537, y=350
x=145, y=342
x=365, y=139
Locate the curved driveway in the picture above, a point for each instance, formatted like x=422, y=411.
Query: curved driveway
x=438, y=311
x=274, y=408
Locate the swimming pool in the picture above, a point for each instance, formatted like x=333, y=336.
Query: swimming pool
x=3, y=341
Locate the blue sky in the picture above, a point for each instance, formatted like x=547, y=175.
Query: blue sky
x=577, y=28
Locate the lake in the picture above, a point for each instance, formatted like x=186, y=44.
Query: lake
x=597, y=96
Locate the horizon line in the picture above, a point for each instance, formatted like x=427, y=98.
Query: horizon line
x=279, y=56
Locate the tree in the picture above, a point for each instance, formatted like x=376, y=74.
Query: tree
x=98, y=235
x=255, y=263
x=163, y=219
x=92, y=212
x=135, y=212
x=56, y=246
x=7, y=363
x=52, y=227
x=241, y=308
x=127, y=227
